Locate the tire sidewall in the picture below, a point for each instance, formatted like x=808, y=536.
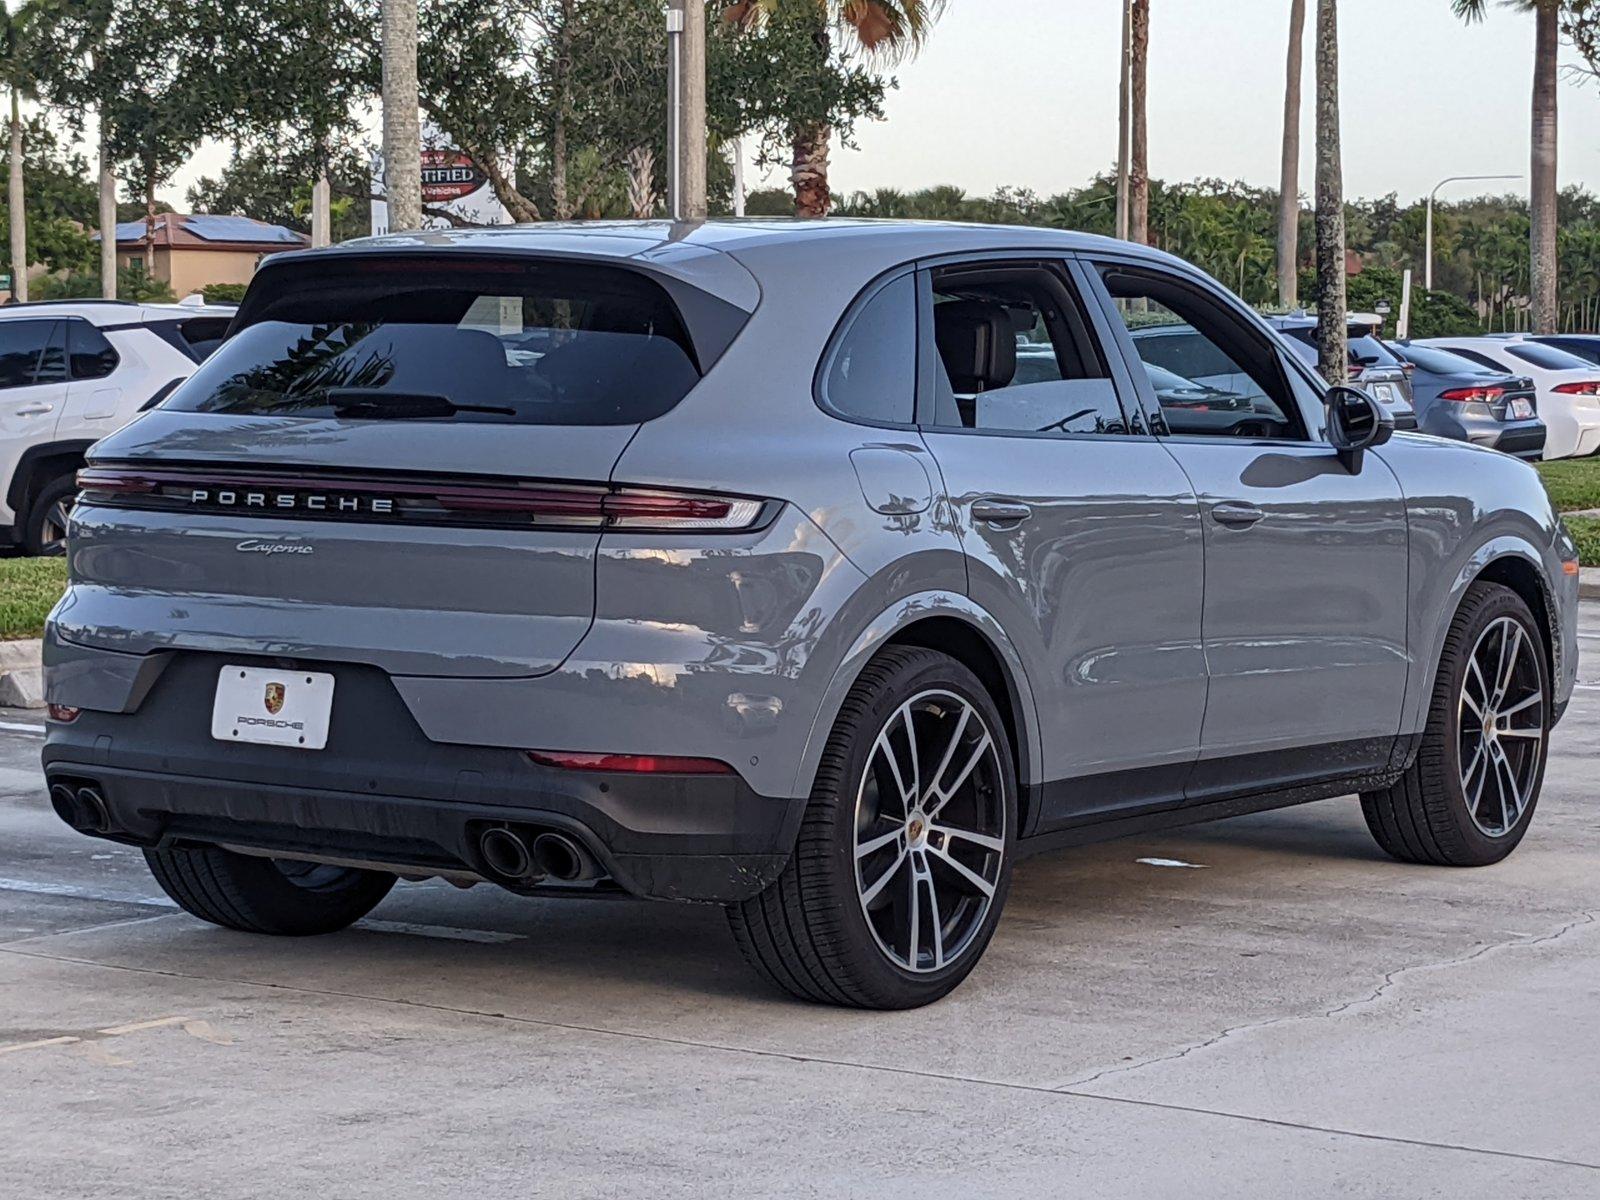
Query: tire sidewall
x=865, y=960
x=33, y=530
x=1501, y=602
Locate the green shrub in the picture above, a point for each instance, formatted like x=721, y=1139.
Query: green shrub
x=1586, y=532
x=224, y=293
x=1573, y=483
x=133, y=283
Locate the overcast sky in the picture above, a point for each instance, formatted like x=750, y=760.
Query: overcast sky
x=1026, y=94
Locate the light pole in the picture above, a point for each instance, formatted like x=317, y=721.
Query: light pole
x=1427, y=236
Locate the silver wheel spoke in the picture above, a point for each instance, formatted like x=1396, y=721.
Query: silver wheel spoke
x=961, y=869
x=977, y=839
x=913, y=943
x=950, y=750
x=945, y=794
x=1509, y=645
x=1536, y=732
x=935, y=922
x=916, y=768
x=873, y=892
x=878, y=843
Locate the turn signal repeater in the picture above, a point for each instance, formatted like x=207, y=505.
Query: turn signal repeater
x=630, y=764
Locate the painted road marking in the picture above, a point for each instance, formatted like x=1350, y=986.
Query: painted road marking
x=1170, y=862
x=18, y=727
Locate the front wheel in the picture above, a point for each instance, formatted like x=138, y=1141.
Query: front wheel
x=904, y=856
x=266, y=895
x=1469, y=797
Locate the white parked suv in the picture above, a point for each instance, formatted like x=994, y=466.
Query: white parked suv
x=71, y=372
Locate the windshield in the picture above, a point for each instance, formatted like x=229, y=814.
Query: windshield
x=518, y=343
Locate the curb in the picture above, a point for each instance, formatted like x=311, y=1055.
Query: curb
x=1589, y=583
x=22, y=673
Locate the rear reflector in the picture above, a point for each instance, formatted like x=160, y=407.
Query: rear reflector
x=1469, y=395
x=634, y=764
x=64, y=713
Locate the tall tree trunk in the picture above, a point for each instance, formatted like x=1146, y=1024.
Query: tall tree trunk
x=641, y=182
x=561, y=83
x=809, y=172
x=17, y=201
x=1289, y=171
x=1542, y=205
x=108, y=219
x=1123, y=104
x=1332, y=341
x=1139, y=136
x=692, y=164
x=402, y=133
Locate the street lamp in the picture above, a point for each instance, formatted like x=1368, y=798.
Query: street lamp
x=1427, y=252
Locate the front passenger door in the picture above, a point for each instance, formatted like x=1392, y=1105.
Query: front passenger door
x=1306, y=560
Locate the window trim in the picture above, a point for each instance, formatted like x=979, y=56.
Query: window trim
x=1059, y=264
x=1095, y=265
x=842, y=329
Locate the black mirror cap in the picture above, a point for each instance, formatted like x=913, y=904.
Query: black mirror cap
x=1356, y=423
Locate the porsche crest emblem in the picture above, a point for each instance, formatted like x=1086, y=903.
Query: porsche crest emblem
x=274, y=698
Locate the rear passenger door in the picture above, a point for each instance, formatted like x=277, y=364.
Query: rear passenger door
x=1081, y=533
x=1306, y=559
x=33, y=384
x=93, y=396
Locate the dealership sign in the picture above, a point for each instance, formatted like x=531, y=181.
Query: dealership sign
x=449, y=175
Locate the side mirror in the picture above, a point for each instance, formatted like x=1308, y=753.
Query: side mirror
x=1356, y=423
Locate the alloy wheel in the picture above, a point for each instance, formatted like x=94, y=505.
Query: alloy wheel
x=1502, y=730
x=930, y=831
x=53, y=534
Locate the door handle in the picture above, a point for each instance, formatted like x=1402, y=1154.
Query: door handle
x=1000, y=512
x=34, y=410
x=1236, y=514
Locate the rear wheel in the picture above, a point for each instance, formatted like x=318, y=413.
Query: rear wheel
x=45, y=531
x=904, y=856
x=266, y=895
x=1469, y=797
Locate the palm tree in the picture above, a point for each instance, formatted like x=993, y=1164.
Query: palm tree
x=892, y=30
x=402, y=133
x=1139, y=135
x=1332, y=340
x=17, y=73
x=1542, y=187
x=1289, y=174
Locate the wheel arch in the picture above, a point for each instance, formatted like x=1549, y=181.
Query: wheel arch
x=1512, y=563
x=37, y=466
x=952, y=624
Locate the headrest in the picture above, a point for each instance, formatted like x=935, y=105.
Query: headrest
x=977, y=341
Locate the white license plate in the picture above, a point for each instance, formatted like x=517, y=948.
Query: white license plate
x=274, y=708
x=1521, y=409
x=1383, y=392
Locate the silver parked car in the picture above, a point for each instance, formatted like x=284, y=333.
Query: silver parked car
x=732, y=562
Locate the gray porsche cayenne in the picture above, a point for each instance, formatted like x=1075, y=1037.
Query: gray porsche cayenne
x=737, y=562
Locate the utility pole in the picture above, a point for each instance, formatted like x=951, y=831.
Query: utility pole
x=686, y=109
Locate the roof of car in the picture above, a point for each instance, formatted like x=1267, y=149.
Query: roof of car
x=113, y=312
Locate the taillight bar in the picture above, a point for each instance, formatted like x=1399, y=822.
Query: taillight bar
x=420, y=501
x=1471, y=395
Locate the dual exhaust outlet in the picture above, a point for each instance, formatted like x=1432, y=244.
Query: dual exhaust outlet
x=527, y=858
x=84, y=808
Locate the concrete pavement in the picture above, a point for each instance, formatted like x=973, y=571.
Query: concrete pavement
x=1291, y=1014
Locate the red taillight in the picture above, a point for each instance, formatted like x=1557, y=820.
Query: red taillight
x=64, y=713
x=1471, y=395
x=1578, y=389
x=112, y=482
x=1355, y=371
x=632, y=764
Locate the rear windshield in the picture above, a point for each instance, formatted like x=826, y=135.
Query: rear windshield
x=1364, y=349
x=1548, y=357
x=517, y=343
x=1443, y=362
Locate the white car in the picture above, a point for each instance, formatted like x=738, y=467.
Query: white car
x=1568, y=387
x=70, y=373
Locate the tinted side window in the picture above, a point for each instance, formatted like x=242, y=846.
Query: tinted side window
x=1482, y=360
x=202, y=335
x=23, y=344
x=1212, y=374
x=1548, y=357
x=90, y=355
x=872, y=372
x=1014, y=355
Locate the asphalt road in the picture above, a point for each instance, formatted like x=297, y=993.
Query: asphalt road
x=1291, y=1014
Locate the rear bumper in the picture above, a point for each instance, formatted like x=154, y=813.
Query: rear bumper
x=383, y=793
